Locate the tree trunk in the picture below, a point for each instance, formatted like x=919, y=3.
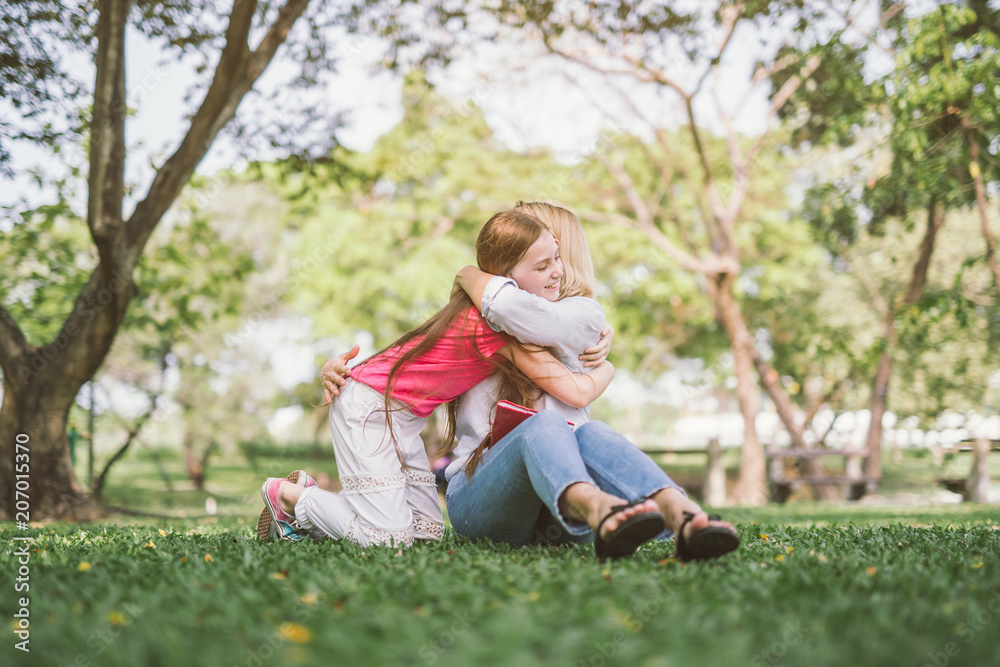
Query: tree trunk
x=715, y=476
x=981, y=206
x=751, y=489
x=977, y=488
x=876, y=406
x=880, y=384
x=195, y=470
x=53, y=492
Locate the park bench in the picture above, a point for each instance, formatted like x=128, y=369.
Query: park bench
x=975, y=487
x=782, y=485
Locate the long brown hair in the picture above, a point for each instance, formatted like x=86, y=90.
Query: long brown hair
x=502, y=243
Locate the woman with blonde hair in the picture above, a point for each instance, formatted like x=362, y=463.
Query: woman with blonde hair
x=497, y=490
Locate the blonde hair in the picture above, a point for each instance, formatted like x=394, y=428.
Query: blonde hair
x=578, y=268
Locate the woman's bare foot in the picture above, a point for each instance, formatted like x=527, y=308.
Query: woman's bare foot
x=587, y=503
x=685, y=514
x=674, y=504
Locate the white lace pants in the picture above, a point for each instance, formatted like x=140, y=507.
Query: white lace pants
x=382, y=501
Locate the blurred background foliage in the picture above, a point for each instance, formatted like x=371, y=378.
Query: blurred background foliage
x=363, y=245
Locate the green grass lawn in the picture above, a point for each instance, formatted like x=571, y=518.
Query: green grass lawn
x=828, y=585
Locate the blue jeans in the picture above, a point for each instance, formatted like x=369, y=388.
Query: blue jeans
x=513, y=495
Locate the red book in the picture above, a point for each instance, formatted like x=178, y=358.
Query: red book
x=508, y=416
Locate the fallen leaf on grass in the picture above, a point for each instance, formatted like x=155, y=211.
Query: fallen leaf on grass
x=280, y=575
x=631, y=623
x=977, y=565
x=763, y=536
x=149, y=545
x=209, y=559
x=870, y=571
x=294, y=632
x=162, y=532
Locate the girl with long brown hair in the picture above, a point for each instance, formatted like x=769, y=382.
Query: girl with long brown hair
x=388, y=490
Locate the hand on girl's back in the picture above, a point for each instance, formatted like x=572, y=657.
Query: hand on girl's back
x=335, y=373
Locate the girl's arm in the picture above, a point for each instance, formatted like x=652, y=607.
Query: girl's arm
x=577, y=390
x=473, y=282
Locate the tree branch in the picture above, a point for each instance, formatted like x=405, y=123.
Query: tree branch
x=869, y=37
x=720, y=240
x=793, y=83
x=709, y=267
x=98, y=488
x=106, y=178
x=654, y=75
x=237, y=71
x=935, y=218
x=635, y=200
x=730, y=17
x=880, y=304
x=741, y=170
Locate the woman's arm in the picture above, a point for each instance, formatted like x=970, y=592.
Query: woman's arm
x=570, y=326
x=577, y=390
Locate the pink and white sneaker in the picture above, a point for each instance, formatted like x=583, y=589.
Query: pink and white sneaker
x=274, y=522
x=301, y=478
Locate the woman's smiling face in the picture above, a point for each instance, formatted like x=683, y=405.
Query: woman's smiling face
x=540, y=271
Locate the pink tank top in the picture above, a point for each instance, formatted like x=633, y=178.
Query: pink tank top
x=441, y=374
